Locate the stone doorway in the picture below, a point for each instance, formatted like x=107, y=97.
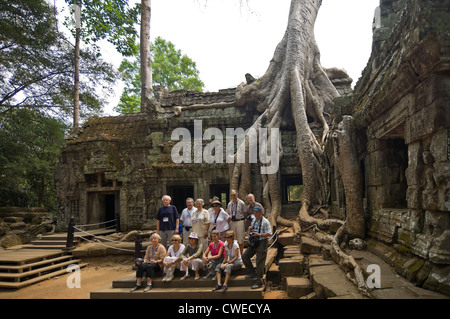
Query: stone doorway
x=103, y=207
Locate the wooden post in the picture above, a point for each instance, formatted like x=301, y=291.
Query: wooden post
x=138, y=246
x=70, y=233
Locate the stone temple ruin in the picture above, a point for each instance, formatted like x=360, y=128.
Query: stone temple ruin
x=120, y=166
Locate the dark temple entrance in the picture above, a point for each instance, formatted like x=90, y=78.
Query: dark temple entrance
x=179, y=195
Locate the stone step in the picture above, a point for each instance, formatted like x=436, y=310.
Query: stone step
x=233, y=292
x=48, y=242
x=298, y=287
x=33, y=265
x=130, y=281
x=47, y=246
x=292, y=266
x=20, y=276
x=310, y=246
x=330, y=281
x=21, y=284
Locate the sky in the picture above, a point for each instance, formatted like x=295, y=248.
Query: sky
x=229, y=38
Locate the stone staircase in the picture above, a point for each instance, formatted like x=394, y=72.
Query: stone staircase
x=306, y=271
x=58, y=240
x=23, y=267
x=238, y=287
x=43, y=258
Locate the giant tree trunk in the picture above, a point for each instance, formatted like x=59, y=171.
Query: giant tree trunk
x=296, y=88
x=348, y=165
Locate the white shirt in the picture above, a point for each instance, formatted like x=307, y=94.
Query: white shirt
x=200, y=220
x=175, y=254
x=221, y=223
x=232, y=251
x=186, y=216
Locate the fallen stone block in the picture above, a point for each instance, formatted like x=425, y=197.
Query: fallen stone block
x=297, y=287
x=331, y=281
x=310, y=246
x=286, y=239
x=291, y=266
x=291, y=250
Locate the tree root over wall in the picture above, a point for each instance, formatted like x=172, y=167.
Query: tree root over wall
x=294, y=91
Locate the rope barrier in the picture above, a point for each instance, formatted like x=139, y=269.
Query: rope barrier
x=87, y=225
x=274, y=234
x=117, y=248
x=106, y=239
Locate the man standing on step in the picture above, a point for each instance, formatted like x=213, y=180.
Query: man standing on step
x=167, y=221
x=238, y=211
x=259, y=233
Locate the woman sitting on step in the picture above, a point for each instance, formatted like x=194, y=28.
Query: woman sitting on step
x=191, y=257
x=151, y=263
x=214, y=254
x=173, y=257
x=232, y=261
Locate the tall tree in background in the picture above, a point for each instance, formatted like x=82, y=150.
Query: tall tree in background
x=172, y=70
x=145, y=56
x=112, y=20
x=37, y=64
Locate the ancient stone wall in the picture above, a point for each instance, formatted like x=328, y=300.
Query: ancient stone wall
x=402, y=103
x=119, y=167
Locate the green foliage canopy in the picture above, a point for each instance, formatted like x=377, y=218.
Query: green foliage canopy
x=171, y=70
x=112, y=20
x=30, y=144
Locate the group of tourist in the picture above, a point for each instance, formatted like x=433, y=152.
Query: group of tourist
x=211, y=239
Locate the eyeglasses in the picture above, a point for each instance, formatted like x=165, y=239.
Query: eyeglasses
x=215, y=205
x=228, y=237
x=233, y=194
x=174, y=239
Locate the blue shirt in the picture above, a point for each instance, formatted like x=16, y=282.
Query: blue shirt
x=167, y=216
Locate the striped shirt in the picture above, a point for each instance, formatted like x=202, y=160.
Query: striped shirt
x=265, y=226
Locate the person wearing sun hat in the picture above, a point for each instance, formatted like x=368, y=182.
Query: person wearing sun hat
x=219, y=219
x=191, y=257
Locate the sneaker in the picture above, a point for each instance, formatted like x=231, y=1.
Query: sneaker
x=257, y=285
x=224, y=288
x=218, y=287
x=184, y=277
x=250, y=276
x=148, y=288
x=197, y=277
x=165, y=278
x=169, y=278
x=137, y=287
